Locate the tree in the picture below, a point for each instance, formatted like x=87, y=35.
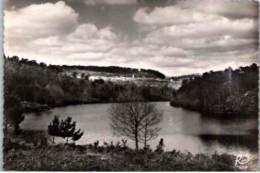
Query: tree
x=152, y=119
x=75, y=74
x=87, y=77
x=82, y=75
x=13, y=114
x=65, y=129
x=53, y=128
x=135, y=119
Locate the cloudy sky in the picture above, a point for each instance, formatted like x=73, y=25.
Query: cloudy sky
x=174, y=37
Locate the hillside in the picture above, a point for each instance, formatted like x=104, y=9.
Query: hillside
x=39, y=87
x=110, y=70
x=117, y=71
x=222, y=92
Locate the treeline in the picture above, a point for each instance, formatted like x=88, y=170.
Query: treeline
x=221, y=92
x=111, y=69
x=185, y=77
x=37, y=85
x=119, y=70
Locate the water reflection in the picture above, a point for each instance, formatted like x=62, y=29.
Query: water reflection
x=242, y=141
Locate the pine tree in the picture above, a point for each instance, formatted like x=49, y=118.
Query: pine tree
x=65, y=129
x=53, y=128
x=77, y=135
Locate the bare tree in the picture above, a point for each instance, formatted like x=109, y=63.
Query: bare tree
x=150, y=123
x=136, y=119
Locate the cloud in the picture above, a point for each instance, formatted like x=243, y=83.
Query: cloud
x=36, y=22
x=171, y=15
x=175, y=17
x=190, y=29
x=40, y=20
x=231, y=9
x=55, y=36
x=109, y=2
x=86, y=43
x=204, y=37
x=215, y=37
x=92, y=33
x=222, y=32
x=179, y=39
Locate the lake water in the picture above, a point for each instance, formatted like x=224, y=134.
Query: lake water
x=181, y=129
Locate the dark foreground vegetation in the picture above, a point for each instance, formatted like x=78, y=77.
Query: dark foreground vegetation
x=233, y=92
x=29, y=152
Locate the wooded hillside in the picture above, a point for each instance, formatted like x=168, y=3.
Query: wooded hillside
x=40, y=87
x=221, y=92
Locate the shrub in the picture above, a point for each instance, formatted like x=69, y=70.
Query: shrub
x=160, y=146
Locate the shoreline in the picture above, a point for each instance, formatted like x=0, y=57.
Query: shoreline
x=43, y=108
x=37, y=109
x=216, y=114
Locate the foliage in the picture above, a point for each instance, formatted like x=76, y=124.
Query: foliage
x=65, y=129
x=53, y=128
x=124, y=143
x=20, y=154
x=48, y=86
x=12, y=112
x=20, y=157
x=221, y=92
x=96, y=144
x=160, y=146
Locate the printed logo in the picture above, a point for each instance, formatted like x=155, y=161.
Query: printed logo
x=241, y=160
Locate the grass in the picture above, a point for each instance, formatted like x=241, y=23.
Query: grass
x=25, y=156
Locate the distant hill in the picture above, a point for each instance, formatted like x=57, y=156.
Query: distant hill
x=119, y=70
x=122, y=71
x=184, y=77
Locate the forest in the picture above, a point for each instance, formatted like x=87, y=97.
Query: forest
x=233, y=92
x=35, y=87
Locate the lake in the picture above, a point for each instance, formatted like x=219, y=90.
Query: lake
x=181, y=129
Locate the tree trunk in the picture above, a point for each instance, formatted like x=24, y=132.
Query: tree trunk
x=17, y=129
x=145, y=142
x=145, y=137
x=136, y=140
x=136, y=143
x=53, y=140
